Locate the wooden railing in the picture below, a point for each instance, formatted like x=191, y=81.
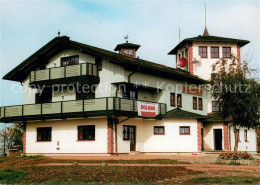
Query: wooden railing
x=64, y=72
x=75, y=106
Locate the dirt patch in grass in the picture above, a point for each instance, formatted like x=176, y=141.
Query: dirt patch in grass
x=103, y=174
x=226, y=180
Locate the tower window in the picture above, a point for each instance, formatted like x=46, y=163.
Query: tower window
x=200, y=104
x=203, y=51
x=226, y=52
x=214, y=52
x=215, y=106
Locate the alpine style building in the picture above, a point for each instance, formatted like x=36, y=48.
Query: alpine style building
x=80, y=99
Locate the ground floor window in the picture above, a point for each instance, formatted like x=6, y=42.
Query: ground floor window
x=245, y=135
x=126, y=132
x=86, y=132
x=185, y=130
x=44, y=134
x=159, y=130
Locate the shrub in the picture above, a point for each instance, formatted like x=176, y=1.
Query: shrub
x=236, y=156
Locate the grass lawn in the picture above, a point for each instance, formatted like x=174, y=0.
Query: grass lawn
x=226, y=180
x=25, y=170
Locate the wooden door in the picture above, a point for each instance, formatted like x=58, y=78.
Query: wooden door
x=132, y=137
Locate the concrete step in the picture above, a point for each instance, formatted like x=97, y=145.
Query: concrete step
x=134, y=152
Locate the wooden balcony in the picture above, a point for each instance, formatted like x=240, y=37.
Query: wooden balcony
x=81, y=73
x=111, y=106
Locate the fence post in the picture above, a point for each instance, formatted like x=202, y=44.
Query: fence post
x=87, y=66
x=4, y=112
x=80, y=69
x=120, y=104
x=49, y=73
x=41, y=110
x=107, y=103
x=22, y=110
x=34, y=75
x=133, y=105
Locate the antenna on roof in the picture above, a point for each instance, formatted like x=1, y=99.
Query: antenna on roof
x=126, y=37
x=206, y=33
x=59, y=33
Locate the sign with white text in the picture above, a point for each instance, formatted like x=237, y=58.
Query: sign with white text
x=147, y=109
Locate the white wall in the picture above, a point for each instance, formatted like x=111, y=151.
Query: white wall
x=204, y=68
x=172, y=141
x=208, y=135
x=243, y=145
x=65, y=131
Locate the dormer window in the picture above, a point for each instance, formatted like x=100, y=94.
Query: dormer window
x=128, y=51
x=68, y=61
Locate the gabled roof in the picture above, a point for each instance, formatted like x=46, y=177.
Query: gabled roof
x=208, y=39
x=178, y=113
x=127, y=45
x=57, y=44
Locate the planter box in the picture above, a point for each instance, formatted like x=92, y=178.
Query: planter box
x=240, y=161
x=13, y=152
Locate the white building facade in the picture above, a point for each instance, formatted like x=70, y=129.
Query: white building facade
x=104, y=118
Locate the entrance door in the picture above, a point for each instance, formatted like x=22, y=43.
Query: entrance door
x=218, y=139
x=132, y=137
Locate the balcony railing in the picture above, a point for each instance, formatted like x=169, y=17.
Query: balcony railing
x=84, y=69
x=77, y=108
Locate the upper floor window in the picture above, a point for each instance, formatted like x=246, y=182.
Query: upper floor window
x=44, y=134
x=226, y=52
x=84, y=94
x=67, y=61
x=194, y=103
x=203, y=51
x=130, y=93
x=179, y=100
x=86, y=132
x=172, y=99
x=44, y=97
x=214, y=51
x=128, y=51
x=215, y=106
x=159, y=130
x=200, y=104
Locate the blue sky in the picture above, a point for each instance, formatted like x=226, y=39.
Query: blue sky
x=28, y=25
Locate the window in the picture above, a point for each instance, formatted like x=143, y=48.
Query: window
x=184, y=130
x=44, y=97
x=159, y=130
x=200, y=104
x=238, y=132
x=130, y=92
x=84, y=94
x=195, y=103
x=182, y=54
x=126, y=132
x=214, y=52
x=44, y=134
x=172, y=99
x=128, y=52
x=245, y=135
x=214, y=76
x=67, y=61
x=203, y=51
x=226, y=52
x=179, y=100
x=215, y=106
x=86, y=132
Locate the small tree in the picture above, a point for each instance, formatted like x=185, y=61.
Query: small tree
x=237, y=94
x=11, y=137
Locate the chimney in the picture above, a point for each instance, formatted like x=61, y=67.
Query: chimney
x=127, y=49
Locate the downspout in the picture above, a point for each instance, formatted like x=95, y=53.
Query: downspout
x=229, y=137
x=129, y=76
x=116, y=123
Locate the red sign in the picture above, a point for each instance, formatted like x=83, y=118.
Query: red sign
x=147, y=109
